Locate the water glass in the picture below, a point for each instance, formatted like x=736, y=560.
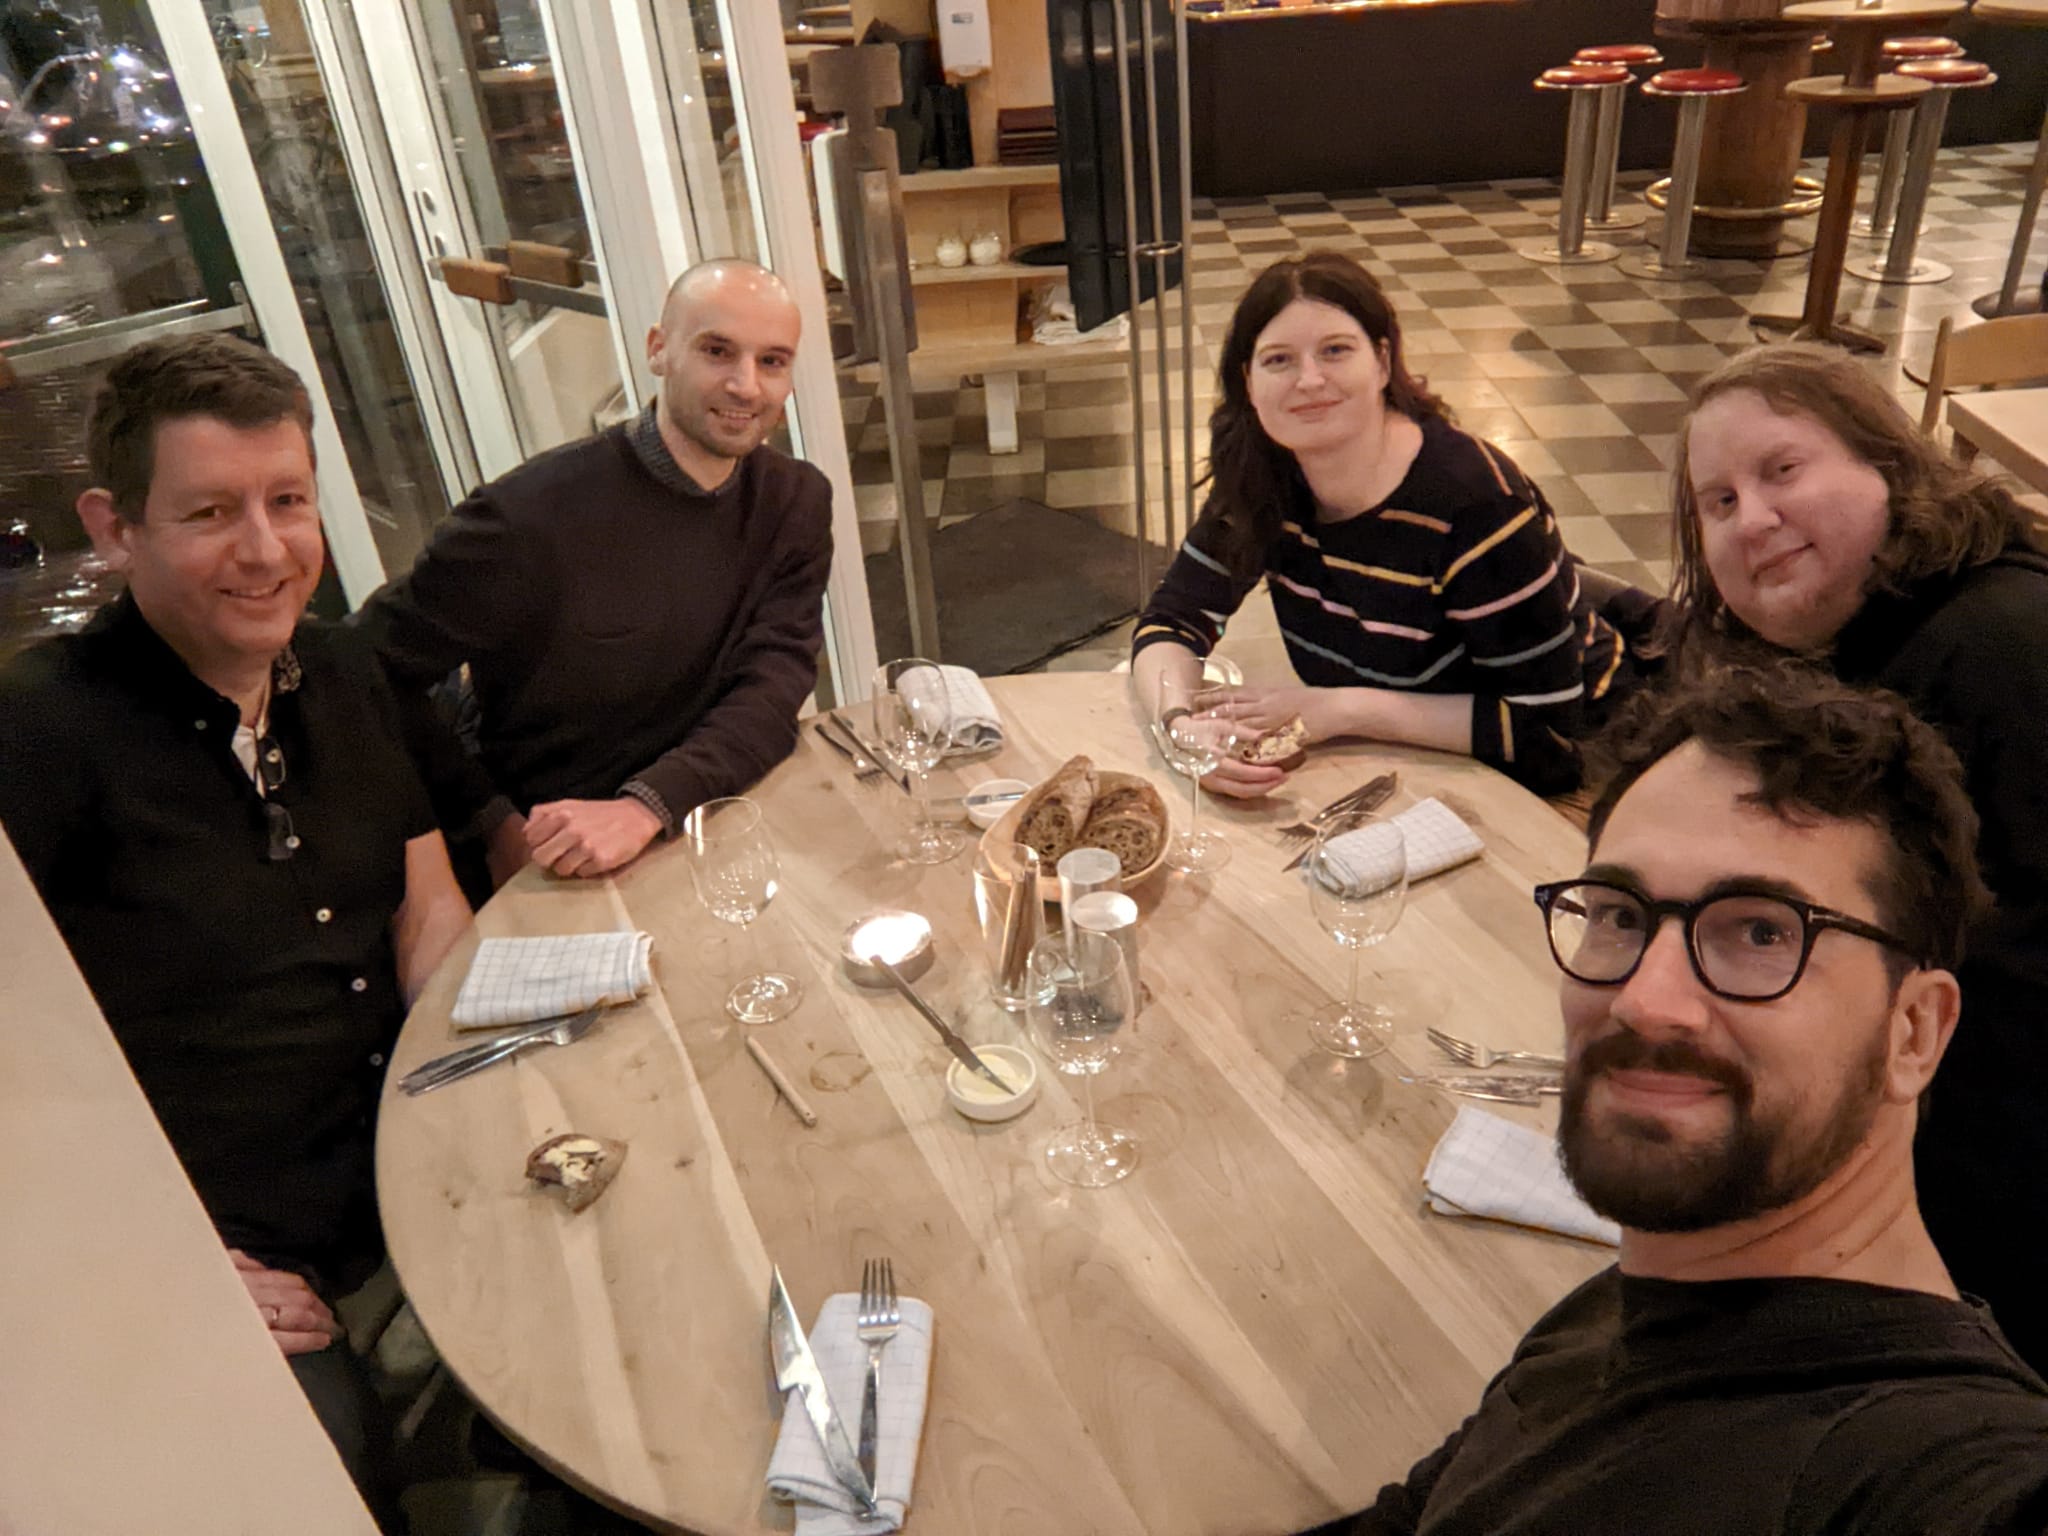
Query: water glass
x=913, y=719
x=1009, y=908
x=1358, y=883
x=737, y=875
x=1081, y=1005
x=1193, y=743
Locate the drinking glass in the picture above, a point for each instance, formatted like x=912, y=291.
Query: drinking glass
x=1080, y=1003
x=1193, y=744
x=914, y=727
x=736, y=871
x=1357, y=884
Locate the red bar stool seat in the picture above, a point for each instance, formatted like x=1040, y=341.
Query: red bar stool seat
x=1585, y=83
x=1693, y=89
x=1946, y=76
x=1884, y=198
x=1602, y=217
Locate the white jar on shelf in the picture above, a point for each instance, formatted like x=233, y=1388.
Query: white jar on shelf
x=986, y=249
x=952, y=252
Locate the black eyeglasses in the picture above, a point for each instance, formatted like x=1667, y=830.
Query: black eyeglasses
x=1747, y=946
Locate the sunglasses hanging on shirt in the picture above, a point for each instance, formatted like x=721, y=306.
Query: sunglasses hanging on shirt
x=270, y=777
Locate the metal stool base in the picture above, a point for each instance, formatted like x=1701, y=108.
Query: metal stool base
x=1546, y=252
x=1648, y=263
x=1872, y=270
x=2024, y=303
x=1617, y=221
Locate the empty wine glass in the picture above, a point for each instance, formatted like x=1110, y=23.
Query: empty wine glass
x=1080, y=1003
x=914, y=728
x=1357, y=883
x=737, y=873
x=1193, y=743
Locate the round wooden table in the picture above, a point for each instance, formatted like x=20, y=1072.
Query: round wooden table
x=1249, y=1335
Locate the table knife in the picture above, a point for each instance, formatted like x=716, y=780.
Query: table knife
x=862, y=768
x=490, y=1046
x=1371, y=798
x=796, y=1367
x=962, y=1051
x=869, y=750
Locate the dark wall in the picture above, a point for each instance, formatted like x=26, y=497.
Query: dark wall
x=1311, y=102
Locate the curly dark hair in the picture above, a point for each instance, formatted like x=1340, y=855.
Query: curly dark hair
x=1945, y=517
x=1254, y=483
x=158, y=381
x=1820, y=748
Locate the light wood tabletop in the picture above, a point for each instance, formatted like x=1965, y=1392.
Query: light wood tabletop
x=139, y=1389
x=1249, y=1335
x=2011, y=425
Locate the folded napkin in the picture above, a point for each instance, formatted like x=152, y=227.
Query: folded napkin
x=515, y=981
x=1432, y=833
x=976, y=725
x=1490, y=1167
x=798, y=1472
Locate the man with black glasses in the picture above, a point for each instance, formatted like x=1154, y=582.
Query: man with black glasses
x=1757, y=989
x=215, y=804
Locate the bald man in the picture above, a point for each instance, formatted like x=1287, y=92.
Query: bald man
x=641, y=611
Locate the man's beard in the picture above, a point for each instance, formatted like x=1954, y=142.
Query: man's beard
x=1631, y=1171
x=701, y=428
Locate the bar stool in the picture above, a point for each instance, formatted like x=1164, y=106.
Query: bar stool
x=1693, y=88
x=1571, y=248
x=1860, y=93
x=1603, y=217
x=1945, y=77
x=1884, y=198
x=2008, y=300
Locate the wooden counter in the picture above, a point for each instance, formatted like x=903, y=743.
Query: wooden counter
x=139, y=1389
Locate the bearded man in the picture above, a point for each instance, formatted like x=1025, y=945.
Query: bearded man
x=640, y=612
x=1758, y=986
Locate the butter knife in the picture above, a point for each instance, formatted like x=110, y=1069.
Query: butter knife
x=862, y=767
x=796, y=1367
x=962, y=1051
x=1505, y=1088
x=1370, y=798
x=869, y=750
x=456, y=1065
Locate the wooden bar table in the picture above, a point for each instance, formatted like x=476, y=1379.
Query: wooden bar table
x=2009, y=424
x=139, y=1389
x=1247, y=1336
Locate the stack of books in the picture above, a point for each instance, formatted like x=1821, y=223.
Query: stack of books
x=1026, y=136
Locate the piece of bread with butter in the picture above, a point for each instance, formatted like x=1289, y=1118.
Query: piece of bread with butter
x=576, y=1167
x=1285, y=748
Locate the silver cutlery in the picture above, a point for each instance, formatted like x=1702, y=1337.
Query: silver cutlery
x=1482, y=1057
x=1368, y=798
x=1523, y=1088
x=1337, y=807
x=868, y=750
x=866, y=773
x=962, y=1051
x=457, y=1065
x=797, y=1368
x=876, y=1322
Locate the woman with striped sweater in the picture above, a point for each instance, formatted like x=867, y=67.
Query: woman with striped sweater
x=1419, y=579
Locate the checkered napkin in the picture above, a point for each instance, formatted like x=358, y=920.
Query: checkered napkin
x=1433, y=835
x=797, y=1472
x=976, y=725
x=516, y=981
x=1490, y=1167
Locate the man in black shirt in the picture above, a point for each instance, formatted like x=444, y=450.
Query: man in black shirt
x=1758, y=987
x=214, y=802
x=641, y=611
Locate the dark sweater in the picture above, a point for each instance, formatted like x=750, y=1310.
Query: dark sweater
x=1971, y=654
x=1457, y=583
x=1740, y=1408
x=626, y=632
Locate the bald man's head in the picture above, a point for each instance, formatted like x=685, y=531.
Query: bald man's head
x=723, y=352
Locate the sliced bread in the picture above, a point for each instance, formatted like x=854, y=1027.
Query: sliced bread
x=1052, y=815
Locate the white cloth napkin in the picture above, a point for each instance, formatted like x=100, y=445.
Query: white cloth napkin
x=798, y=1473
x=1433, y=834
x=515, y=981
x=976, y=727
x=1490, y=1167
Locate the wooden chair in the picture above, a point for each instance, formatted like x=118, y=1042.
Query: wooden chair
x=2013, y=350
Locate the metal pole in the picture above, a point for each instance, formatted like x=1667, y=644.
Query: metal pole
x=1578, y=170
x=1187, y=299
x=1161, y=249
x=1606, y=152
x=1123, y=115
x=2023, y=236
x=1685, y=178
x=1928, y=120
x=1884, y=200
x=884, y=295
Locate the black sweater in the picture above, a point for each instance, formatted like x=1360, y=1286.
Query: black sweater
x=1777, y=1407
x=625, y=632
x=1971, y=654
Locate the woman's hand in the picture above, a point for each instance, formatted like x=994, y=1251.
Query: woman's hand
x=1325, y=711
x=1238, y=780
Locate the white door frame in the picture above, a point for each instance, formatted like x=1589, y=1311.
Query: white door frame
x=231, y=173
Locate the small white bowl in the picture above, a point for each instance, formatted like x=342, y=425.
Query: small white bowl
x=989, y=815
x=979, y=1099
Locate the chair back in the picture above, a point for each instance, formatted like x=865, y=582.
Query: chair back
x=2012, y=350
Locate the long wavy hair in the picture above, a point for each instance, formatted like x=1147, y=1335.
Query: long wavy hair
x=1254, y=483
x=1945, y=517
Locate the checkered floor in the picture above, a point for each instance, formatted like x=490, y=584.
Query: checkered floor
x=1580, y=373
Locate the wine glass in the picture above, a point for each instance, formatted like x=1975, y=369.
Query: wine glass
x=914, y=727
x=1193, y=743
x=1080, y=1001
x=737, y=873
x=1357, y=884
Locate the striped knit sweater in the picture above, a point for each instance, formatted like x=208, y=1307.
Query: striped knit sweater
x=1457, y=583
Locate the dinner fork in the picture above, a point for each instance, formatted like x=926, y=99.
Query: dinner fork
x=878, y=1319
x=1380, y=787
x=866, y=773
x=460, y=1064
x=1482, y=1057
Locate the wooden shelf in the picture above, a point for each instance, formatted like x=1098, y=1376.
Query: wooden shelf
x=981, y=177
x=951, y=358
x=1001, y=271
